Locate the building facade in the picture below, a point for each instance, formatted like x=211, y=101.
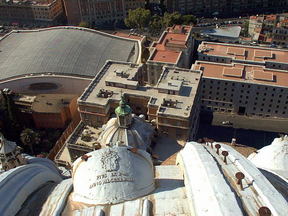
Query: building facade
x=174, y=48
x=271, y=29
x=97, y=13
x=47, y=110
x=25, y=12
x=172, y=104
x=252, y=84
x=225, y=8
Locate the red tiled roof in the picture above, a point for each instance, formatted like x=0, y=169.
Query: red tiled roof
x=251, y=53
x=168, y=47
x=239, y=72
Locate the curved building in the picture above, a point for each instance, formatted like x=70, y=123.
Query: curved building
x=54, y=57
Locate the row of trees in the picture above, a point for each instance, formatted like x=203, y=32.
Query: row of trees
x=141, y=18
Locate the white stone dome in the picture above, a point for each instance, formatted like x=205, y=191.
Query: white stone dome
x=112, y=175
x=138, y=134
x=273, y=157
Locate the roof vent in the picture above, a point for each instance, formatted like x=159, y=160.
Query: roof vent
x=104, y=93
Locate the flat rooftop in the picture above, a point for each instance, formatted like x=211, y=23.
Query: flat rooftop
x=51, y=103
x=129, y=35
x=242, y=73
x=166, y=49
x=242, y=52
x=71, y=51
x=183, y=81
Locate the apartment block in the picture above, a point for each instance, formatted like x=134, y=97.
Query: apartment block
x=174, y=48
x=232, y=53
x=225, y=8
x=271, y=29
x=96, y=12
x=24, y=11
x=244, y=80
x=172, y=104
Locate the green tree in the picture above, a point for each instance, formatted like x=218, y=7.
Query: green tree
x=156, y=25
x=245, y=29
x=29, y=138
x=84, y=24
x=189, y=19
x=138, y=18
x=170, y=19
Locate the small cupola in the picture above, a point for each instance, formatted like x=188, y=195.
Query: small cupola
x=124, y=114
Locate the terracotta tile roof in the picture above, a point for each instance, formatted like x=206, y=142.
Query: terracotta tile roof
x=168, y=48
x=258, y=54
x=244, y=73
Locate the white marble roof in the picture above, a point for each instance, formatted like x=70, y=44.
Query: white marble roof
x=273, y=157
x=17, y=184
x=120, y=181
x=212, y=186
x=112, y=175
x=138, y=135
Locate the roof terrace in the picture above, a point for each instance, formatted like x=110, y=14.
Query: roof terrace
x=173, y=95
x=243, y=73
x=246, y=53
x=170, y=45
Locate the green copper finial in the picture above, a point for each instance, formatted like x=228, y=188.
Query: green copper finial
x=123, y=109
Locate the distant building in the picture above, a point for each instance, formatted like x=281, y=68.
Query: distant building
x=232, y=53
x=174, y=48
x=48, y=110
x=30, y=12
x=96, y=12
x=244, y=80
x=225, y=8
x=271, y=29
x=172, y=103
